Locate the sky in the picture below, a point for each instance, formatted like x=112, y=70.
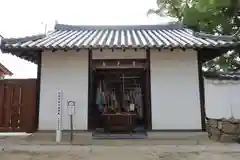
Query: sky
x=21, y=18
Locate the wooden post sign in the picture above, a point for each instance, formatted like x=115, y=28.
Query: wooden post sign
x=59, y=117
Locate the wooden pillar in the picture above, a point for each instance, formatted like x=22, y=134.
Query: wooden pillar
x=38, y=86
x=2, y=109
x=90, y=88
x=201, y=91
x=148, y=91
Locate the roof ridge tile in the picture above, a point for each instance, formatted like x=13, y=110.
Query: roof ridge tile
x=118, y=27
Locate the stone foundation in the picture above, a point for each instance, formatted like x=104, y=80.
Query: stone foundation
x=223, y=130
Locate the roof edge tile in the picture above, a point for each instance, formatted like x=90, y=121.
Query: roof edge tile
x=5, y=70
x=214, y=37
x=222, y=75
x=23, y=39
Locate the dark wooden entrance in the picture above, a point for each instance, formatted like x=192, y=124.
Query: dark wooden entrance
x=108, y=68
x=18, y=105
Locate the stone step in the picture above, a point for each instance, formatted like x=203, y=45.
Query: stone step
x=154, y=138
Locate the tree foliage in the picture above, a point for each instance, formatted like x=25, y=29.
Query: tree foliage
x=221, y=17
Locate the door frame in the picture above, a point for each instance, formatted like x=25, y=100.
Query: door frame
x=147, y=102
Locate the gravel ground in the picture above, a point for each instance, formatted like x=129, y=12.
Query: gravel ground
x=170, y=152
x=118, y=156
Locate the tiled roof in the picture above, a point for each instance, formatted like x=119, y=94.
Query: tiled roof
x=4, y=70
x=222, y=76
x=152, y=36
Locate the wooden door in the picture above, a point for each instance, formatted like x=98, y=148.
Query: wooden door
x=18, y=105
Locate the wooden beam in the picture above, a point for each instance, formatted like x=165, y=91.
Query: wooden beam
x=209, y=54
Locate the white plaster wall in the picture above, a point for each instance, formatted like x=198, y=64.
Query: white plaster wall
x=174, y=86
x=221, y=98
x=235, y=100
x=67, y=71
x=175, y=90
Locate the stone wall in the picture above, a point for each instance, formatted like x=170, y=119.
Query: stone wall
x=223, y=130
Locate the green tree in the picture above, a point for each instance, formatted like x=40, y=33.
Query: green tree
x=221, y=17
